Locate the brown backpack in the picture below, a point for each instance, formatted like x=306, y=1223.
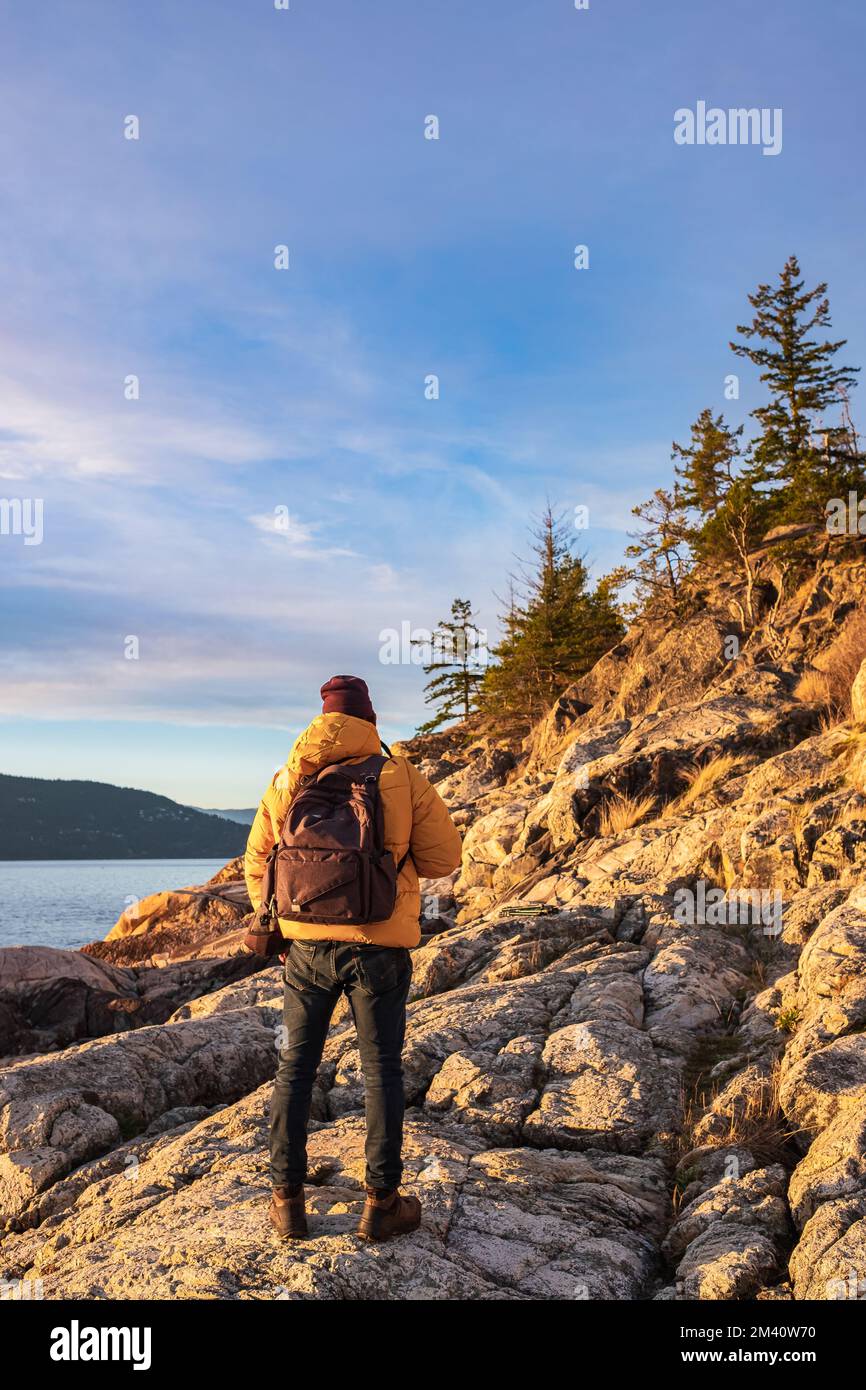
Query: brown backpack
x=331, y=866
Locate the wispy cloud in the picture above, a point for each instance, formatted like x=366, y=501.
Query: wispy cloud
x=281, y=529
x=304, y=390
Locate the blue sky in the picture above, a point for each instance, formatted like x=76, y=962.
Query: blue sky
x=304, y=389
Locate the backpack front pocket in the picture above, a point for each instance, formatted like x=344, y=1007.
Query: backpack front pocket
x=319, y=885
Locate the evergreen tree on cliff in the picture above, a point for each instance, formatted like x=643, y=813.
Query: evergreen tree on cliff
x=722, y=489
x=659, y=552
x=458, y=652
x=555, y=629
x=707, y=464
x=798, y=455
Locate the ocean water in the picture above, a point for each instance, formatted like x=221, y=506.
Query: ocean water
x=68, y=902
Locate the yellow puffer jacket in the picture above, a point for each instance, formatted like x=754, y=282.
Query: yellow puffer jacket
x=416, y=819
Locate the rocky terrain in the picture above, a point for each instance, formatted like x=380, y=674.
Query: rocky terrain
x=655, y=1089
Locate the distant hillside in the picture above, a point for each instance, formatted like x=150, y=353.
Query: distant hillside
x=42, y=819
x=245, y=816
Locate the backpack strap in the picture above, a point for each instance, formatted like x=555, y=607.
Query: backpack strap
x=389, y=754
x=381, y=759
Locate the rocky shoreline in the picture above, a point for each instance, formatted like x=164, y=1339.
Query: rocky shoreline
x=626, y=1097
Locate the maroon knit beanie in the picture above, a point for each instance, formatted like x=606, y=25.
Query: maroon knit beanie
x=347, y=695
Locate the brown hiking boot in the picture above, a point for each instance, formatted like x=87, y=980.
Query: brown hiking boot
x=388, y=1214
x=288, y=1213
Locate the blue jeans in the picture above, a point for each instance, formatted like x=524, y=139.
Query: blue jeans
x=376, y=981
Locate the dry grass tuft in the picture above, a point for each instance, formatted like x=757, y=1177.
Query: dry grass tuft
x=620, y=813
x=841, y=662
x=702, y=780
x=813, y=688
x=760, y=1125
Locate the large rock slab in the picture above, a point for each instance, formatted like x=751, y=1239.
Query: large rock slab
x=831, y=972
x=507, y=948
x=817, y=1086
x=834, y=1167
x=492, y=1094
x=50, y=998
x=727, y=1262
x=659, y=662
x=59, y=1112
x=829, y=1263
x=693, y=979
x=606, y=1087
x=190, y=1221
x=755, y=1199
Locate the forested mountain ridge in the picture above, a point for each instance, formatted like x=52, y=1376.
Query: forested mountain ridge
x=44, y=818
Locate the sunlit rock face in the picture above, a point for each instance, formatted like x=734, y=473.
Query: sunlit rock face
x=653, y=1088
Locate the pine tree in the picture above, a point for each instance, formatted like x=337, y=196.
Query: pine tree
x=554, y=631
x=707, y=463
x=605, y=626
x=660, y=550
x=457, y=659
x=553, y=622
x=503, y=692
x=732, y=512
x=735, y=531
x=804, y=383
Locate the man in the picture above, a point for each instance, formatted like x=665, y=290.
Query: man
x=370, y=963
